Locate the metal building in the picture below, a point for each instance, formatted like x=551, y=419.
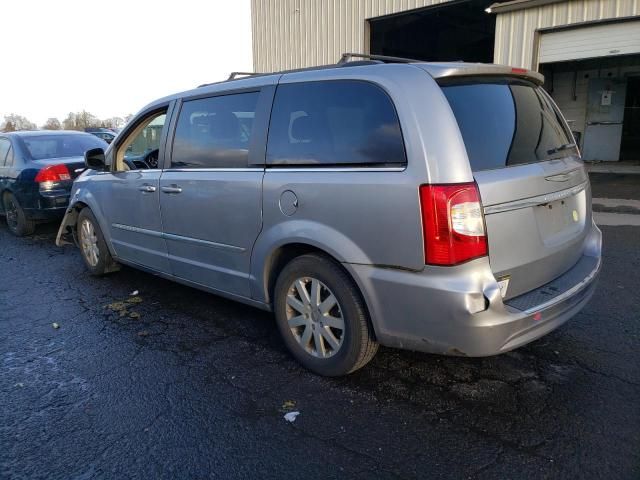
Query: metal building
x=588, y=50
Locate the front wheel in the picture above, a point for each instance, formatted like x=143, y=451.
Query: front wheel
x=321, y=316
x=94, y=249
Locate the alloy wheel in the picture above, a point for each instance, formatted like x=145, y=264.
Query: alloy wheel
x=315, y=317
x=89, y=242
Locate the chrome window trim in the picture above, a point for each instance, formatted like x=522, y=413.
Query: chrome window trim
x=213, y=169
x=335, y=169
x=535, y=201
x=137, y=170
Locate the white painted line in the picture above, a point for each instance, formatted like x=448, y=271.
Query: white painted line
x=616, y=202
x=616, y=219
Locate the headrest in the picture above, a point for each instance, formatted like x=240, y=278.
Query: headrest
x=302, y=129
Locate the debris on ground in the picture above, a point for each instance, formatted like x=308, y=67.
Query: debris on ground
x=55, y=325
x=143, y=333
x=122, y=307
x=116, y=306
x=288, y=404
x=291, y=416
x=134, y=293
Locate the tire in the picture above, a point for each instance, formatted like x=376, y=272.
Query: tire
x=303, y=327
x=17, y=220
x=93, y=247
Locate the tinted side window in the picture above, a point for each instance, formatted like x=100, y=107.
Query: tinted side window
x=341, y=122
x=215, y=132
x=5, y=146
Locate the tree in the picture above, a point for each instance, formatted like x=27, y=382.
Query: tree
x=14, y=122
x=52, y=123
x=69, y=123
x=85, y=119
x=113, y=122
x=80, y=121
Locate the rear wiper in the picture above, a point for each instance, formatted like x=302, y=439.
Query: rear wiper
x=565, y=146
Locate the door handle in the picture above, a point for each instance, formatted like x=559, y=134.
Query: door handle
x=171, y=189
x=147, y=188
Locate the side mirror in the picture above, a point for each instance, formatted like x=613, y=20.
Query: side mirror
x=94, y=159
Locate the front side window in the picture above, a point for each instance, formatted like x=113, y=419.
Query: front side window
x=334, y=123
x=507, y=122
x=214, y=132
x=140, y=149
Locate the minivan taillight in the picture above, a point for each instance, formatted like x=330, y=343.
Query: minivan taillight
x=53, y=173
x=452, y=223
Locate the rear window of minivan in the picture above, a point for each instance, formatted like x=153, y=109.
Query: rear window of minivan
x=506, y=122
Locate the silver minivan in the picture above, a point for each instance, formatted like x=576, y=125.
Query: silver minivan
x=439, y=207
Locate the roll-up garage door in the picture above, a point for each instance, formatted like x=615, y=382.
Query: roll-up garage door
x=621, y=38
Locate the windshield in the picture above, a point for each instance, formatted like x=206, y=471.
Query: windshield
x=60, y=146
x=507, y=122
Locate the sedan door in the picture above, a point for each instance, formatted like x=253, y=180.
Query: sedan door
x=211, y=192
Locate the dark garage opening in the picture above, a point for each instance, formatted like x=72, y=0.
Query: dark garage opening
x=630, y=145
x=459, y=30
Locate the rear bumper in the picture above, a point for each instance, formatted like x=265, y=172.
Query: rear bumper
x=48, y=206
x=459, y=310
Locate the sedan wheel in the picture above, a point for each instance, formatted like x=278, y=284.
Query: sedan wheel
x=315, y=317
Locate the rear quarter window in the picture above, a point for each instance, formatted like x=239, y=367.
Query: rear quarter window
x=334, y=123
x=507, y=122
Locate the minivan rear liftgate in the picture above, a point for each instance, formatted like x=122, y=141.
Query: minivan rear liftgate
x=534, y=189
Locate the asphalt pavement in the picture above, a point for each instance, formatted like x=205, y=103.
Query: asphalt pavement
x=177, y=383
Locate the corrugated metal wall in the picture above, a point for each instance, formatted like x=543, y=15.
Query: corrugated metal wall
x=301, y=33
x=516, y=40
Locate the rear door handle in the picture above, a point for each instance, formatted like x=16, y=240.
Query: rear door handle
x=147, y=188
x=171, y=189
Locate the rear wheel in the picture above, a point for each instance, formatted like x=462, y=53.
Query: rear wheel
x=321, y=316
x=17, y=220
x=94, y=249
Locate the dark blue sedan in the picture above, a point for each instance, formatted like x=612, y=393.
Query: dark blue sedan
x=37, y=169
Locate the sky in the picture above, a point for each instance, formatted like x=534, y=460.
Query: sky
x=112, y=58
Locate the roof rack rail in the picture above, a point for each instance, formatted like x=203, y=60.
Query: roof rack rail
x=233, y=76
x=346, y=58
x=241, y=74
